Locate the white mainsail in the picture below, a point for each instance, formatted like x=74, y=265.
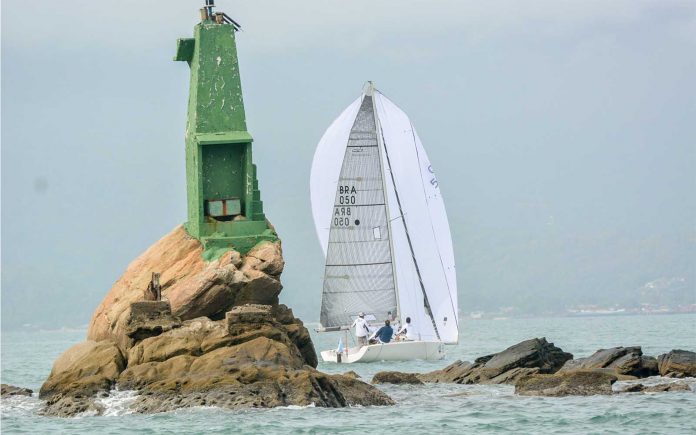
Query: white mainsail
x=421, y=244
x=359, y=270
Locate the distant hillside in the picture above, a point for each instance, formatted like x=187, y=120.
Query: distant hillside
x=536, y=272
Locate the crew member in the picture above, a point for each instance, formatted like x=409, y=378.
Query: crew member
x=362, y=329
x=384, y=334
x=408, y=331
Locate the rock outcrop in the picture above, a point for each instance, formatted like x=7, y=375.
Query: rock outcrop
x=626, y=361
x=677, y=364
x=396, y=378
x=193, y=287
x=218, y=338
x=7, y=390
x=576, y=383
x=523, y=359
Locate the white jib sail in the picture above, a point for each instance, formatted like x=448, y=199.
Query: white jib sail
x=424, y=215
x=428, y=227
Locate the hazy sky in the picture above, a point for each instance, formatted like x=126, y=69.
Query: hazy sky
x=575, y=118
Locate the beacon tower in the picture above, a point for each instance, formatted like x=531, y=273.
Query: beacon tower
x=224, y=202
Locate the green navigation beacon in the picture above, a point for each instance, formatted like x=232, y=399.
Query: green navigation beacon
x=225, y=210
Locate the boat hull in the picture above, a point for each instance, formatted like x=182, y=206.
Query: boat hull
x=394, y=351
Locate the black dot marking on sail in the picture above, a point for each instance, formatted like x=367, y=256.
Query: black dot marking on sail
x=357, y=222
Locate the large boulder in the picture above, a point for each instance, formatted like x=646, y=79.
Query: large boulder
x=627, y=361
x=249, y=359
x=677, y=364
x=193, y=286
x=219, y=337
x=576, y=383
x=523, y=359
x=84, y=369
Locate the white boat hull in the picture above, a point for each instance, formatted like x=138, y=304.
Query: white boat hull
x=394, y=351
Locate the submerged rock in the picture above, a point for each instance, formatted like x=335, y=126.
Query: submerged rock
x=396, y=378
x=678, y=386
x=677, y=364
x=627, y=361
x=570, y=383
x=523, y=359
x=7, y=390
x=219, y=338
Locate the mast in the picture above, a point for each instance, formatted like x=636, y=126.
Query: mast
x=371, y=92
x=426, y=302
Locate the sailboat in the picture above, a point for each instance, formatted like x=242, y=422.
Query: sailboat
x=382, y=225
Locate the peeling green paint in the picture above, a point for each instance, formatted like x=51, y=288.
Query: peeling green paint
x=218, y=146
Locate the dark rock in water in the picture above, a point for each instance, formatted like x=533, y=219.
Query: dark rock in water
x=69, y=406
x=451, y=373
x=677, y=364
x=352, y=374
x=396, y=378
x=678, y=386
x=619, y=360
x=523, y=359
x=649, y=367
x=202, y=345
x=674, y=386
x=570, y=383
x=7, y=390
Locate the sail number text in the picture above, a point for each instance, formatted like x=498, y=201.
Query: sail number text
x=342, y=215
x=346, y=195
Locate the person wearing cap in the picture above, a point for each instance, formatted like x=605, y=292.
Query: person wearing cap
x=362, y=329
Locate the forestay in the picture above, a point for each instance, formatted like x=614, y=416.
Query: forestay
x=359, y=272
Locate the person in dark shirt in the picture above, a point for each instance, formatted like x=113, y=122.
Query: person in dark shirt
x=384, y=334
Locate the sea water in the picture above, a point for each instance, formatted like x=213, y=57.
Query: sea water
x=27, y=357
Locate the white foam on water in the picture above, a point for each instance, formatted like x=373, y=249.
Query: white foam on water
x=118, y=402
x=311, y=405
x=20, y=404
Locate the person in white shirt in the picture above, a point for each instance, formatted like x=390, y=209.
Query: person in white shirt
x=362, y=329
x=408, y=331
